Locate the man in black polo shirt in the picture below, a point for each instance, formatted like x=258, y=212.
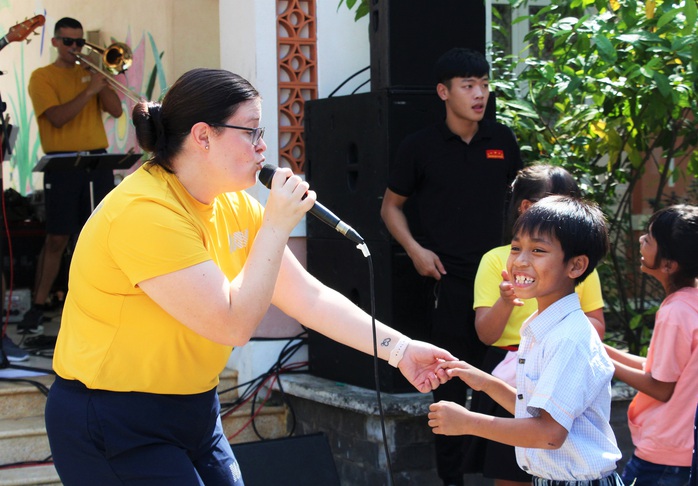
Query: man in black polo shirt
x=457, y=175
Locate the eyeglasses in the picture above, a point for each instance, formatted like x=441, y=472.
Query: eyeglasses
x=69, y=41
x=257, y=133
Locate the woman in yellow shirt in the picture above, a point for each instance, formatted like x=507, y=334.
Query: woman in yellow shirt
x=176, y=266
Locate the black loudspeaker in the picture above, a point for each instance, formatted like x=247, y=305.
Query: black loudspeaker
x=350, y=143
x=401, y=301
x=408, y=36
x=294, y=461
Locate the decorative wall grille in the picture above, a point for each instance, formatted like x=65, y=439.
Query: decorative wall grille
x=297, y=75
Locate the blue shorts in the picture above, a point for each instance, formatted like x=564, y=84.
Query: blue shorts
x=645, y=473
x=118, y=438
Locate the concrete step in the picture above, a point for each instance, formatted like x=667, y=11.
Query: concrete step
x=228, y=379
x=270, y=422
x=30, y=476
x=23, y=439
x=22, y=399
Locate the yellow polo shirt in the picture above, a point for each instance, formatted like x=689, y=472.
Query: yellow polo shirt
x=112, y=335
x=52, y=86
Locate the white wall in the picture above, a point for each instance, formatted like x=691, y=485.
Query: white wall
x=342, y=49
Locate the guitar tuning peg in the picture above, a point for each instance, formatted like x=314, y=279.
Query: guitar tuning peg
x=28, y=40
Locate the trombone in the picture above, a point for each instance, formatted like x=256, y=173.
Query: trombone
x=116, y=59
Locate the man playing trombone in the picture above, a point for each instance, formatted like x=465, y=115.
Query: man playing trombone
x=68, y=103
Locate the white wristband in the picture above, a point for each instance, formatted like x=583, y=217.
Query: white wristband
x=398, y=351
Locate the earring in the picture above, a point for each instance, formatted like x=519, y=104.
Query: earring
x=206, y=147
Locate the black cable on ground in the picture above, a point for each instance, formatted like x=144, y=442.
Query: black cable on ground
x=266, y=381
x=287, y=352
x=18, y=465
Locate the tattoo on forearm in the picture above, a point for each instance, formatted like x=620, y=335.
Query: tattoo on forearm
x=386, y=342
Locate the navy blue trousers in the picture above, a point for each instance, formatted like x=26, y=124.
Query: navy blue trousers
x=115, y=438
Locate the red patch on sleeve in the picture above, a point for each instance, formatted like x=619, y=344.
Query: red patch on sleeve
x=495, y=154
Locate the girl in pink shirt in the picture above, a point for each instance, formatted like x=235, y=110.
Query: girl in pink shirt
x=661, y=415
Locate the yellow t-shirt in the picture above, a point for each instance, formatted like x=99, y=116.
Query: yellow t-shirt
x=112, y=335
x=52, y=86
x=489, y=276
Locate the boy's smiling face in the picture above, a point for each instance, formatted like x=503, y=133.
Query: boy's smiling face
x=537, y=268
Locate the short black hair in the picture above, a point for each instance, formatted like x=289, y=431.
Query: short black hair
x=66, y=22
x=460, y=62
x=675, y=228
x=537, y=181
x=579, y=226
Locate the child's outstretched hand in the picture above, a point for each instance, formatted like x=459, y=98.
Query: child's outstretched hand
x=474, y=377
x=448, y=418
x=421, y=365
x=506, y=290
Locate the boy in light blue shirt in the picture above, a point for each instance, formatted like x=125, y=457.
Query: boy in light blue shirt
x=562, y=400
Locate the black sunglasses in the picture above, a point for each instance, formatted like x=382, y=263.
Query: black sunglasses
x=69, y=41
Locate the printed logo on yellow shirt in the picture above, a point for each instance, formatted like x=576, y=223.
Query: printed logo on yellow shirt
x=238, y=240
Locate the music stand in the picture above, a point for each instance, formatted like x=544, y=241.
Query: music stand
x=88, y=162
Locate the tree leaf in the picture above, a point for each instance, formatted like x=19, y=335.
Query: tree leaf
x=690, y=10
x=635, y=321
x=662, y=83
x=693, y=162
x=524, y=107
x=669, y=16
x=606, y=49
x=647, y=72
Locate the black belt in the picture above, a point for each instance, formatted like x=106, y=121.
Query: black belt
x=609, y=480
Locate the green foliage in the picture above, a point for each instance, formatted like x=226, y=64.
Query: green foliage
x=607, y=90
x=362, y=8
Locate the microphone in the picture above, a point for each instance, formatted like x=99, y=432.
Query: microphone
x=318, y=210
